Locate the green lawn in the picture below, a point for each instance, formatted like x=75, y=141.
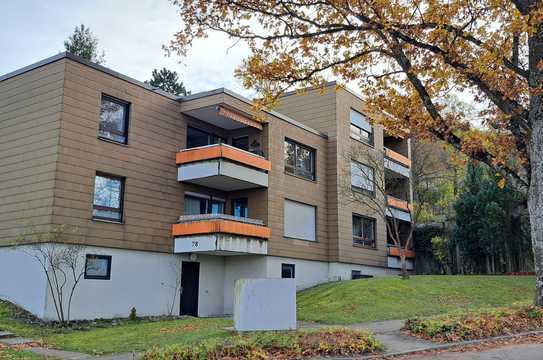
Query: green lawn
x=8, y=354
x=388, y=298
x=335, y=303
x=138, y=335
x=142, y=336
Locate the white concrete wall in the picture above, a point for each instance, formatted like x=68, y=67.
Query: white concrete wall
x=146, y=281
x=211, y=288
x=22, y=280
x=265, y=304
x=239, y=267
x=307, y=273
x=342, y=271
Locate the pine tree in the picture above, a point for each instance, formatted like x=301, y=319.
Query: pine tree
x=168, y=81
x=83, y=43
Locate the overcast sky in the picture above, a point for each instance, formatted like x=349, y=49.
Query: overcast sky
x=130, y=32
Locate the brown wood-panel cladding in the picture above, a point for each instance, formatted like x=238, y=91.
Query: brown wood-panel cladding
x=152, y=197
x=347, y=252
x=284, y=186
x=329, y=112
x=30, y=112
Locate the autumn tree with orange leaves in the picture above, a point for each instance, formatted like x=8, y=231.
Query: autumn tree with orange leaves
x=406, y=56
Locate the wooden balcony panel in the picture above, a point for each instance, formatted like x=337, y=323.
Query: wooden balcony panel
x=222, y=151
x=395, y=251
x=393, y=155
x=221, y=226
x=398, y=203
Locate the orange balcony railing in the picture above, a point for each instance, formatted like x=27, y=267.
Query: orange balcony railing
x=224, y=151
x=221, y=224
x=398, y=203
x=399, y=158
x=395, y=251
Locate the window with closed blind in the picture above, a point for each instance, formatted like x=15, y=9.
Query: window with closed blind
x=300, y=221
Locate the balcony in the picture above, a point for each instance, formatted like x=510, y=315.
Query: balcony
x=395, y=251
x=397, y=163
x=222, y=167
x=220, y=234
x=394, y=261
x=398, y=208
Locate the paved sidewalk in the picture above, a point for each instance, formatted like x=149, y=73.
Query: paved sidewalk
x=510, y=352
x=387, y=332
x=69, y=355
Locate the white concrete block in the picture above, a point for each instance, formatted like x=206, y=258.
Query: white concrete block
x=264, y=304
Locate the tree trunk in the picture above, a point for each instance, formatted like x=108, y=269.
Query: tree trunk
x=535, y=193
x=403, y=262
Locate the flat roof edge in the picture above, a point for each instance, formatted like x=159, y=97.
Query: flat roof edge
x=67, y=55
x=249, y=102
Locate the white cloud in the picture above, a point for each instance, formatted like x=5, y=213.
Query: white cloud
x=130, y=32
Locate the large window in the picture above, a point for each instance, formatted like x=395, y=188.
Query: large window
x=362, y=178
x=363, y=231
x=108, y=197
x=196, y=204
x=299, y=160
x=300, y=220
x=98, y=267
x=241, y=142
x=361, y=129
x=114, y=120
x=196, y=137
x=288, y=271
x=240, y=207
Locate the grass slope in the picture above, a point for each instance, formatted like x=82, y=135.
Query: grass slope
x=140, y=336
x=387, y=298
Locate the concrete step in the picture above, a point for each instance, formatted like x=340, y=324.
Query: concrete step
x=16, y=341
x=6, y=334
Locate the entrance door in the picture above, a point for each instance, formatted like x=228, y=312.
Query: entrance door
x=190, y=278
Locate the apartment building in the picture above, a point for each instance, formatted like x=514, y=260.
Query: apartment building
x=175, y=198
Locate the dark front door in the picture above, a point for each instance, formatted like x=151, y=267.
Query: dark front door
x=190, y=277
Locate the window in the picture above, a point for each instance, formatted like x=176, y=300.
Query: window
x=299, y=220
x=113, y=120
x=98, y=267
x=299, y=160
x=217, y=206
x=240, y=208
x=357, y=274
x=362, y=177
x=108, y=197
x=195, y=205
x=361, y=129
x=287, y=271
x=197, y=138
x=241, y=143
x=363, y=231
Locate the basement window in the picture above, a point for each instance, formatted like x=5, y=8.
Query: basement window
x=288, y=271
x=98, y=267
